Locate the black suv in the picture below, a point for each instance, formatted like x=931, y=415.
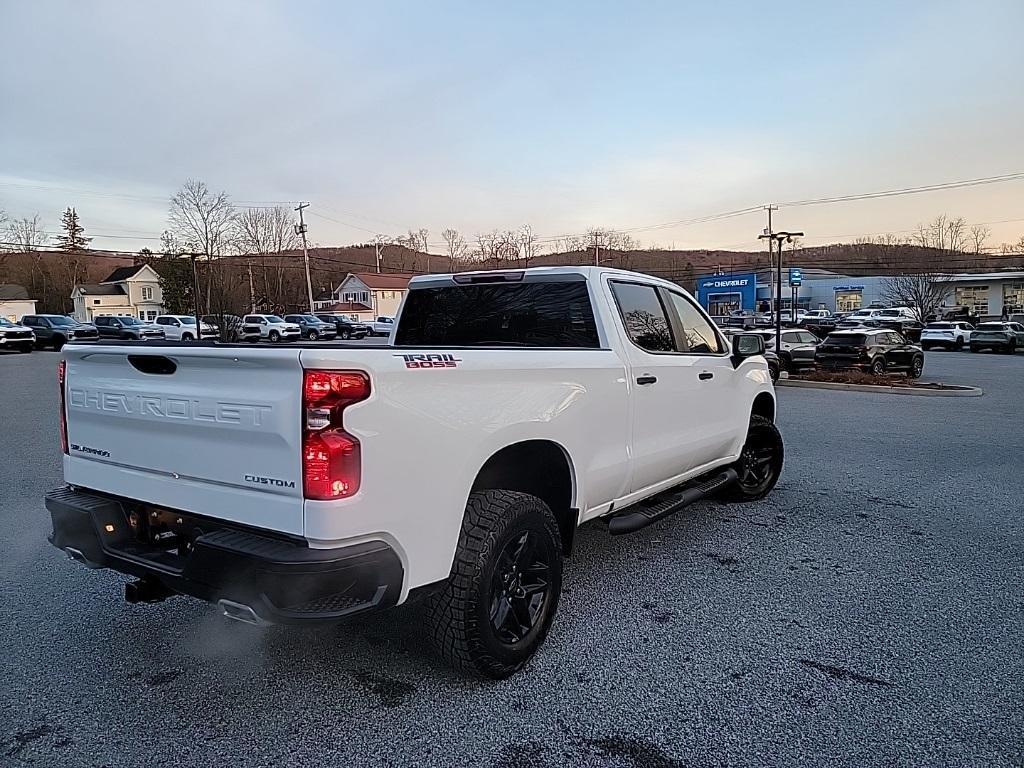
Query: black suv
x=347, y=329
x=876, y=351
x=127, y=328
x=57, y=330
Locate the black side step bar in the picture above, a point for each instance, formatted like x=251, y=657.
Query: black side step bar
x=654, y=509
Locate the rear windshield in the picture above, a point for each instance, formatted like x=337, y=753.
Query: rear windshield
x=941, y=326
x=991, y=327
x=846, y=339
x=520, y=315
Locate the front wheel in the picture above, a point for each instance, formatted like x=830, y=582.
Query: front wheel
x=345, y=335
x=959, y=345
x=916, y=368
x=187, y=337
x=58, y=343
x=494, y=610
x=760, y=463
x=313, y=335
x=274, y=337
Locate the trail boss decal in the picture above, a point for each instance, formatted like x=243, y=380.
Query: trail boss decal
x=430, y=361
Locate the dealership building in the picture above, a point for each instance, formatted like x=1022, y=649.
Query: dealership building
x=986, y=294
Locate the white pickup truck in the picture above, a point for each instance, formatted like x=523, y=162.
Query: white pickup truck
x=314, y=481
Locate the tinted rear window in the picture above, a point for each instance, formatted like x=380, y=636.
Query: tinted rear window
x=522, y=315
x=846, y=340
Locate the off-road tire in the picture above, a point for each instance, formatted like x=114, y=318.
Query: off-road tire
x=458, y=613
x=760, y=432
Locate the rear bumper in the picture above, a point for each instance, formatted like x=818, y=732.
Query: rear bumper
x=990, y=343
x=282, y=580
x=842, y=363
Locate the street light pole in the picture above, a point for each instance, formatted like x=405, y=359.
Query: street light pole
x=780, y=238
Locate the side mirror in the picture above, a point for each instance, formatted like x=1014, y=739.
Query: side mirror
x=746, y=345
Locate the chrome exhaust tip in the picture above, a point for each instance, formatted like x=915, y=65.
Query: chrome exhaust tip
x=240, y=612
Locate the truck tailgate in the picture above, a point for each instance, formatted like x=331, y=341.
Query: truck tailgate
x=206, y=430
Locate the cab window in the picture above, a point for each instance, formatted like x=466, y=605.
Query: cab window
x=699, y=336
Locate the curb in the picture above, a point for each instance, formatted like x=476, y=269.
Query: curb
x=922, y=392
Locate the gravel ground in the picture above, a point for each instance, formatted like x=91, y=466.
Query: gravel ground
x=870, y=612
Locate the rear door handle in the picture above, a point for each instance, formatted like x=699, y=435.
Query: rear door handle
x=705, y=375
x=646, y=380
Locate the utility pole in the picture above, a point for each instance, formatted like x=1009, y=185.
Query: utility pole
x=300, y=229
x=376, y=246
x=252, y=291
x=195, y=294
x=771, y=283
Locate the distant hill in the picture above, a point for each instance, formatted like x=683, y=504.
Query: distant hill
x=279, y=280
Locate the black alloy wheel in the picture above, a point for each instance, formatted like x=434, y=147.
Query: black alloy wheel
x=519, y=588
x=344, y=335
x=760, y=463
x=878, y=366
x=916, y=368
x=494, y=610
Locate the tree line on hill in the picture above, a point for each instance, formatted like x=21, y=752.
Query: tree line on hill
x=250, y=257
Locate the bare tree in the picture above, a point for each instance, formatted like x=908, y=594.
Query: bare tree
x=456, y=246
x=922, y=293
x=485, y=243
x=205, y=221
x=507, y=247
x=170, y=245
x=260, y=232
x=956, y=235
x=942, y=233
x=26, y=234
x=529, y=248
x=979, y=236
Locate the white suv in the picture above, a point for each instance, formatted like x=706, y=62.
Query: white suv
x=953, y=334
x=272, y=328
x=183, y=328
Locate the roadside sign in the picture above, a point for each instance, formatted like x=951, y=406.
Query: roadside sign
x=796, y=276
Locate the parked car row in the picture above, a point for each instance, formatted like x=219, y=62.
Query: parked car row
x=869, y=349
x=54, y=331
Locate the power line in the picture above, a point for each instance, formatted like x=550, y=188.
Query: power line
x=907, y=190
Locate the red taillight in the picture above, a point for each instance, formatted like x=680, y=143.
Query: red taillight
x=331, y=462
x=62, y=367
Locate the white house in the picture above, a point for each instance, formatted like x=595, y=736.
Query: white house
x=14, y=302
x=366, y=295
x=131, y=291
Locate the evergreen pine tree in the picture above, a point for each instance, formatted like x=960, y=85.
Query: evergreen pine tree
x=72, y=236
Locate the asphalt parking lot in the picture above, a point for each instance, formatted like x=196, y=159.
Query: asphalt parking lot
x=869, y=612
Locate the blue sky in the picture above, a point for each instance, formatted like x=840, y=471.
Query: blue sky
x=480, y=115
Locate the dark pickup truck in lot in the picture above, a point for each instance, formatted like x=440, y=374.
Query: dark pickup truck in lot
x=57, y=330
